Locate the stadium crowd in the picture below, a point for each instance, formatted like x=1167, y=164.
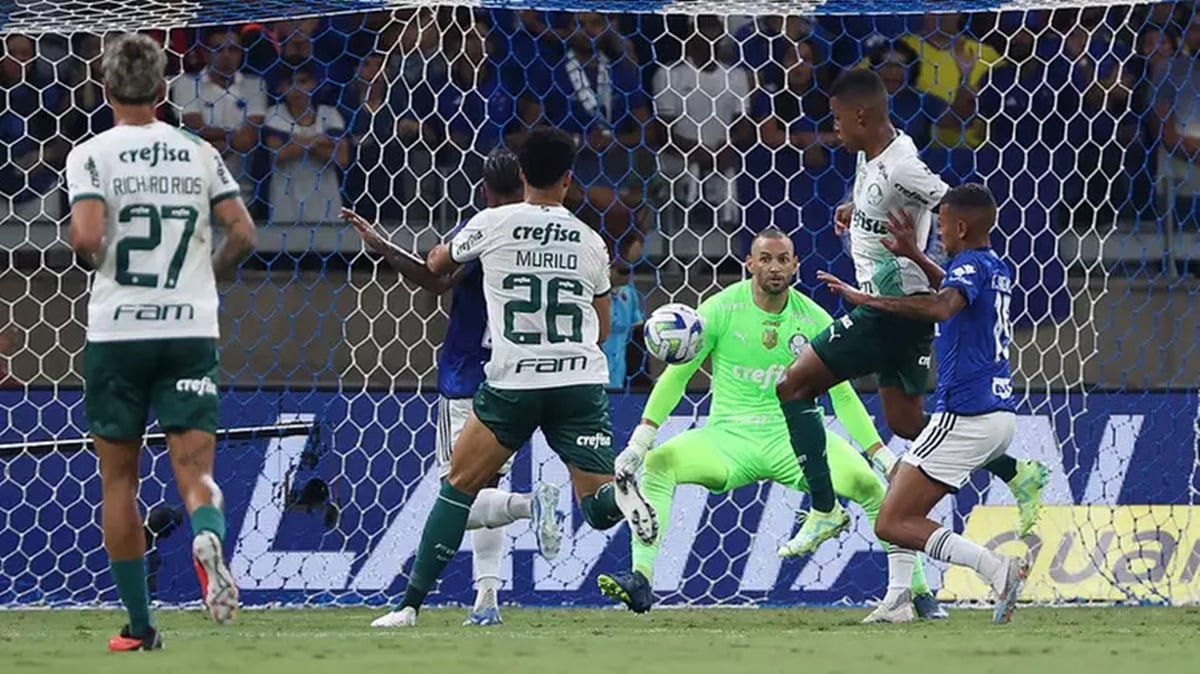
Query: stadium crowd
x=684, y=123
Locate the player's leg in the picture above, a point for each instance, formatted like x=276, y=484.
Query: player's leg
x=901, y=389
x=578, y=428
x=941, y=461
x=493, y=509
x=116, y=405
x=501, y=423
x=689, y=458
x=848, y=348
x=826, y=518
x=185, y=401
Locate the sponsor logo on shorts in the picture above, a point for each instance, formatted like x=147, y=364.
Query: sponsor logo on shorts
x=924, y=361
x=201, y=387
x=595, y=440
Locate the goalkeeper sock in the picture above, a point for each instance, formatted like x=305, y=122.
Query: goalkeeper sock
x=209, y=518
x=1004, y=467
x=600, y=510
x=806, y=429
x=130, y=577
x=946, y=546
x=496, y=508
x=440, y=541
x=658, y=486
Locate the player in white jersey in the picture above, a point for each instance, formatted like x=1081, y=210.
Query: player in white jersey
x=890, y=181
x=143, y=197
x=546, y=285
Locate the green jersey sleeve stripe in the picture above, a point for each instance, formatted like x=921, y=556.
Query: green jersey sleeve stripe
x=603, y=294
x=85, y=196
x=223, y=196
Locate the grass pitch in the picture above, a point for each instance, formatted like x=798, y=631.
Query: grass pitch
x=577, y=641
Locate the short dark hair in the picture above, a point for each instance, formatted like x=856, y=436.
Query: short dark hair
x=546, y=155
x=970, y=197
x=502, y=172
x=859, y=84
x=221, y=32
x=289, y=73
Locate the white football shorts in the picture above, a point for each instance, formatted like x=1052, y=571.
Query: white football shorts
x=452, y=416
x=953, y=446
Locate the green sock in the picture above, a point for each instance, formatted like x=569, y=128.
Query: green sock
x=209, y=518
x=806, y=428
x=600, y=510
x=130, y=577
x=1004, y=467
x=440, y=541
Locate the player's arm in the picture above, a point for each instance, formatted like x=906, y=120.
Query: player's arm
x=932, y=308
x=602, y=285
x=467, y=244
x=407, y=264
x=88, y=210
x=230, y=214
x=903, y=243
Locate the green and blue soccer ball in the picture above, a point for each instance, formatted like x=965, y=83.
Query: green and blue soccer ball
x=674, y=333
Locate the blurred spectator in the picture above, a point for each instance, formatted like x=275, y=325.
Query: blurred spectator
x=765, y=43
x=224, y=106
x=307, y=139
x=1177, y=122
x=475, y=107
x=600, y=100
x=795, y=111
x=953, y=67
x=700, y=101
x=31, y=151
x=90, y=113
x=627, y=313
x=912, y=111
x=478, y=112
x=1019, y=100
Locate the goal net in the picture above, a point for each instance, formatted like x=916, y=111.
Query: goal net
x=699, y=123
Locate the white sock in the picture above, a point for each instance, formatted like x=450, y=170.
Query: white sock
x=947, y=546
x=495, y=508
x=487, y=548
x=900, y=572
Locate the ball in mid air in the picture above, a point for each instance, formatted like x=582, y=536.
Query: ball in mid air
x=674, y=333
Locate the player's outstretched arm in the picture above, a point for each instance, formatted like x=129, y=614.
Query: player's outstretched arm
x=935, y=308
x=231, y=215
x=407, y=264
x=903, y=243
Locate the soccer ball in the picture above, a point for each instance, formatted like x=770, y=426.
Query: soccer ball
x=674, y=333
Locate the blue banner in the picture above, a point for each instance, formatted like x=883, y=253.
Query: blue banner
x=375, y=453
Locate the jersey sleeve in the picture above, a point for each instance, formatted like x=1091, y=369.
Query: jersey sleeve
x=471, y=240
x=672, y=383
x=221, y=184
x=921, y=187
x=966, y=276
x=602, y=278
x=83, y=175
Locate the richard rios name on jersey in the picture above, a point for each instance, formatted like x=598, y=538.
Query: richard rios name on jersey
x=158, y=185
x=542, y=269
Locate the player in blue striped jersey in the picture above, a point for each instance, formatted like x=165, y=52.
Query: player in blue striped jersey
x=974, y=419
x=461, y=358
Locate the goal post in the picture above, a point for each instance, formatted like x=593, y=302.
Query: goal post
x=699, y=124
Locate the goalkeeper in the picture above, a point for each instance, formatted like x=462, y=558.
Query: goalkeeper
x=754, y=330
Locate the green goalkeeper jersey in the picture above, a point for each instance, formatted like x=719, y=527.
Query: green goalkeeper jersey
x=750, y=349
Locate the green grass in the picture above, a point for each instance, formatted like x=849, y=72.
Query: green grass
x=797, y=641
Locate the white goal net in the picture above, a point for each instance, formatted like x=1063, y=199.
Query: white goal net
x=699, y=124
